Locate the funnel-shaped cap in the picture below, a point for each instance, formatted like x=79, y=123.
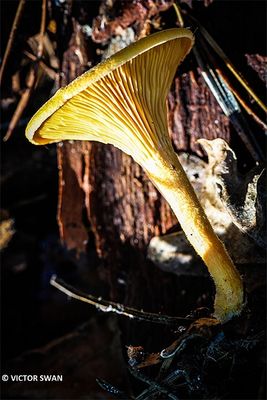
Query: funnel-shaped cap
x=122, y=101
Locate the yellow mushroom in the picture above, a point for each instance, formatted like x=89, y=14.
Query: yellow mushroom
x=122, y=101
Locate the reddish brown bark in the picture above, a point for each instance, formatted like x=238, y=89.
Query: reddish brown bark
x=194, y=113
x=73, y=159
x=116, y=16
x=259, y=64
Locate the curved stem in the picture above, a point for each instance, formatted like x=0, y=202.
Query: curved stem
x=172, y=182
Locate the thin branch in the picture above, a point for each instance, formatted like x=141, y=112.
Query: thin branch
x=12, y=36
x=49, y=71
x=169, y=380
x=22, y=104
x=113, y=390
x=42, y=31
x=179, y=16
x=227, y=102
x=155, y=386
x=242, y=102
x=218, y=50
x=110, y=306
x=31, y=79
x=220, y=88
x=223, y=77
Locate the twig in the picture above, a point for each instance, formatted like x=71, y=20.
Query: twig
x=155, y=386
x=42, y=31
x=227, y=62
x=49, y=71
x=12, y=36
x=31, y=79
x=178, y=15
x=223, y=77
x=169, y=380
x=22, y=103
x=112, y=389
x=110, y=306
x=225, y=98
x=242, y=102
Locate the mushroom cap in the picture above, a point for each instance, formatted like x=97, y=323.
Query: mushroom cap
x=121, y=101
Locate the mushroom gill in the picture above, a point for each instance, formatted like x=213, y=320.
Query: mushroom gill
x=126, y=107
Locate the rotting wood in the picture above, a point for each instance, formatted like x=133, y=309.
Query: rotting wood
x=113, y=19
x=73, y=159
x=259, y=64
x=194, y=113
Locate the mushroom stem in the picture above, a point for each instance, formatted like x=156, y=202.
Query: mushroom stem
x=179, y=193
